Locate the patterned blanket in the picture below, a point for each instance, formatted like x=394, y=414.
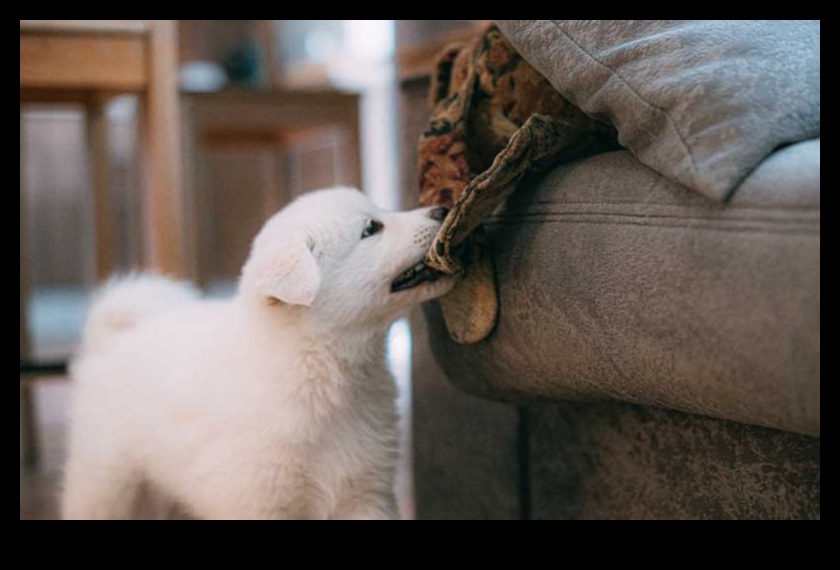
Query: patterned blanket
x=496, y=122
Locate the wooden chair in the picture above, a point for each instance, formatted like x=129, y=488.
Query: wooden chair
x=87, y=62
x=419, y=51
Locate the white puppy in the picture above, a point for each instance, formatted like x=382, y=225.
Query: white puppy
x=276, y=404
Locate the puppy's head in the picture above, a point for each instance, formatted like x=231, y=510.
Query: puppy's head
x=345, y=259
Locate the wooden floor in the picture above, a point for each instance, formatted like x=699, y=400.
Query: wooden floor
x=38, y=496
x=40, y=488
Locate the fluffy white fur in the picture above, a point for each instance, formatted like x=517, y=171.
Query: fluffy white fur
x=276, y=404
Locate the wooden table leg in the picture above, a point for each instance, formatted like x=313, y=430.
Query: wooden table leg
x=353, y=166
x=103, y=203
x=28, y=424
x=165, y=221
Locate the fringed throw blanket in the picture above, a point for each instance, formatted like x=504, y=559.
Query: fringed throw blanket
x=495, y=122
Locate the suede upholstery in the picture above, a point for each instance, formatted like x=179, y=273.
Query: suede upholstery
x=475, y=458
x=619, y=461
x=616, y=283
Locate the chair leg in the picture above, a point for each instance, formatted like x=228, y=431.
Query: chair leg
x=28, y=424
x=24, y=253
x=30, y=449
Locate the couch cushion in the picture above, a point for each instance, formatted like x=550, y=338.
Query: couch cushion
x=701, y=101
x=616, y=282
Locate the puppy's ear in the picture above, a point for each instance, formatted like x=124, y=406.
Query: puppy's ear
x=291, y=276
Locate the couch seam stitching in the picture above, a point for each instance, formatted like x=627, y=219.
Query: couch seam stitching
x=728, y=207
x=815, y=232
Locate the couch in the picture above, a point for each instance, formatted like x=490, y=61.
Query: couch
x=657, y=356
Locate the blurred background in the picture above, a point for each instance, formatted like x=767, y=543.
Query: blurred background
x=165, y=144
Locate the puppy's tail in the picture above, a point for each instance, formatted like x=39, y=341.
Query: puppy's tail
x=123, y=304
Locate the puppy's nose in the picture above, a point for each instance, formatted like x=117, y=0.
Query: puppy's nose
x=439, y=214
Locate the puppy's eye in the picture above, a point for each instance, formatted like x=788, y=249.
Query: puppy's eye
x=372, y=228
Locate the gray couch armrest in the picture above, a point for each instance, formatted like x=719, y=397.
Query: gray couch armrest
x=617, y=283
